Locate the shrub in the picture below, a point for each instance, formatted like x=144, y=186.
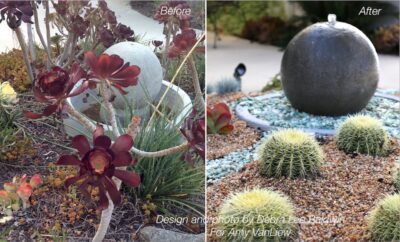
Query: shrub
x=362, y=134
x=384, y=220
x=256, y=210
x=291, y=153
x=218, y=119
x=386, y=39
x=274, y=84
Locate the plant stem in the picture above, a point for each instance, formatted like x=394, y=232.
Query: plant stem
x=196, y=82
x=107, y=213
x=166, y=46
x=30, y=41
x=24, y=53
x=80, y=118
x=46, y=4
x=160, y=153
x=39, y=33
x=110, y=110
x=66, y=50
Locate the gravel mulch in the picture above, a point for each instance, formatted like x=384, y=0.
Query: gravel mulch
x=242, y=136
x=349, y=187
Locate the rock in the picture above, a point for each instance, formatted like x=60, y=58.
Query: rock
x=330, y=69
x=153, y=234
x=150, y=78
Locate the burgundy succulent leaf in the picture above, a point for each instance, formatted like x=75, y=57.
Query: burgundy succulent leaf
x=122, y=31
x=110, y=17
x=16, y=12
x=112, y=70
x=106, y=37
x=79, y=25
x=157, y=43
x=98, y=165
x=182, y=43
x=193, y=129
x=55, y=86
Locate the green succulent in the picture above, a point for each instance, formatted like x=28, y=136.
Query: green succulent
x=362, y=134
x=257, y=215
x=384, y=220
x=291, y=153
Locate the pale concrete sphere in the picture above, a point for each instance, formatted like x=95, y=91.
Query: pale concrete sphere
x=330, y=69
x=150, y=78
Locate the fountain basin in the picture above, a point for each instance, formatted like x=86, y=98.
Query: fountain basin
x=176, y=100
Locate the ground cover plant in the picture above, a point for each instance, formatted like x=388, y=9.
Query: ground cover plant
x=81, y=194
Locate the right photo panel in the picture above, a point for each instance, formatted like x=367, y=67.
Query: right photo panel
x=303, y=121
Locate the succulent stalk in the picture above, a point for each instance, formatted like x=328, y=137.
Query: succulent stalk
x=39, y=33
x=110, y=109
x=25, y=54
x=80, y=118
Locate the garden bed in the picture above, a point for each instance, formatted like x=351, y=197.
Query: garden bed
x=348, y=189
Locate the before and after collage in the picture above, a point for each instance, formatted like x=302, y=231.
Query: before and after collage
x=192, y=121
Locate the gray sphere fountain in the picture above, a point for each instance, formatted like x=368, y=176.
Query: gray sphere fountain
x=330, y=69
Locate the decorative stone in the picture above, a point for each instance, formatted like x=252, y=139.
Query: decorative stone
x=150, y=78
x=153, y=234
x=330, y=69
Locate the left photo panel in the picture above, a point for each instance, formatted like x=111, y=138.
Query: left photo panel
x=102, y=128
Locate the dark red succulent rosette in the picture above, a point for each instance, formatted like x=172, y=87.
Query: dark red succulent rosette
x=112, y=70
x=16, y=12
x=122, y=31
x=98, y=165
x=79, y=25
x=106, y=37
x=55, y=86
x=193, y=129
x=182, y=43
x=157, y=43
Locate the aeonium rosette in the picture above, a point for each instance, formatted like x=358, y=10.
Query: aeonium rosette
x=55, y=86
x=16, y=11
x=182, y=43
x=193, y=129
x=110, y=69
x=99, y=164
